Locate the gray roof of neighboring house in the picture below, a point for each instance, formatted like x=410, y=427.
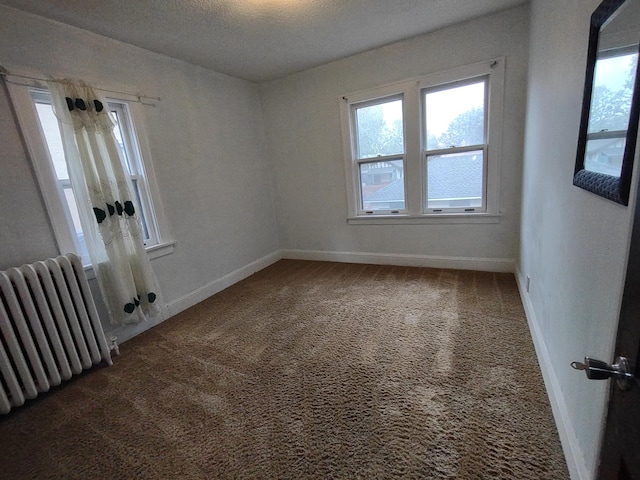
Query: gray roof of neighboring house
x=373, y=171
x=394, y=192
x=449, y=177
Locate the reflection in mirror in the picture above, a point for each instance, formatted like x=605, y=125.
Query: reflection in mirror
x=610, y=115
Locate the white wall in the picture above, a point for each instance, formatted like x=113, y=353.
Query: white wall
x=206, y=138
x=302, y=120
x=573, y=243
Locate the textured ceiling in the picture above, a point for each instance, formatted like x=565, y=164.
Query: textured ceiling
x=260, y=40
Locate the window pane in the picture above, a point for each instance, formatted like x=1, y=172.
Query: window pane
x=454, y=117
x=143, y=219
x=51, y=131
x=455, y=180
x=117, y=131
x=75, y=217
x=382, y=185
x=611, y=99
x=380, y=129
x=605, y=155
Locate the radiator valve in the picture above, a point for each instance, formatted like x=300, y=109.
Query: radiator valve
x=114, y=346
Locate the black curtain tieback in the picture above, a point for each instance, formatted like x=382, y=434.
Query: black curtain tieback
x=81, y=105
x=128, y=208
x=118, y=208
x=131, y=306
x=100, y=214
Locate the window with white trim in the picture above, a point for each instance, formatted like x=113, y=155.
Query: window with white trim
x=42, y=134
x=379, y=154
x=426, y=148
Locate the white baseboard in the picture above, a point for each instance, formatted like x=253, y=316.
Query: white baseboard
x=575, y=460
x=206, y=291
x=126, y=332
x=461, y=263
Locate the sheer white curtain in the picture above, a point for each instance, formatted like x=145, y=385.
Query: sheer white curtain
x=111, y=226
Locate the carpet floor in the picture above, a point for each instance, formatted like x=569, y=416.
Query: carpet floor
x=309, y=370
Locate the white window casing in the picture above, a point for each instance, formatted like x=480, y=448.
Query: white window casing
x=415, y=151
x=158, y=243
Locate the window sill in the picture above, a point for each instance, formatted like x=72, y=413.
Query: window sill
x=154, y=251
x=160, y=250
x=433, y=219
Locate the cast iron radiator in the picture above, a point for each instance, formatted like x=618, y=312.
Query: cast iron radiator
x=49, y=328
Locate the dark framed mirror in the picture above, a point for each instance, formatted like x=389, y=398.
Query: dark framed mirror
x=610, y=106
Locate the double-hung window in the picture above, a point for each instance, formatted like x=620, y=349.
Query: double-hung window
x=426, y=149
x=42, y=133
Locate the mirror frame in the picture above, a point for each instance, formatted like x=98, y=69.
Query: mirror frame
x=608, y=186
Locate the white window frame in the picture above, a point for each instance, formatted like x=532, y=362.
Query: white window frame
x=411, y=91
x=159, y=243
x=137, y=173
x=426, y=153
x=386, y=158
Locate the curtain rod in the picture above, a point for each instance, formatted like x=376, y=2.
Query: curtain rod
x=5, y=73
